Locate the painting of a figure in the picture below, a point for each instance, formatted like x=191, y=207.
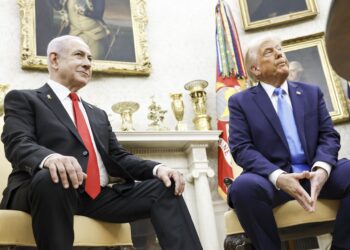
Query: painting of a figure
x=105, y=25
x=305, y=66
x=263, y=13
x=308, y=63
x=263, y=9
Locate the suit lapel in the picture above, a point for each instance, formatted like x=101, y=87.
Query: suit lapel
x=47, y=95
x=264, y=103
x=297, y=99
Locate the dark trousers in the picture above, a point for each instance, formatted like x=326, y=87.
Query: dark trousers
x=253, y=197
x=52, y=208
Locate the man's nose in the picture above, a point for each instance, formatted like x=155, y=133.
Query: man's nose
x=278, y=53
x=87, y=63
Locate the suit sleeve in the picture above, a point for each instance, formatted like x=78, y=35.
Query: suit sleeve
x=138, y=168
x=18, y=136
x=328, y=143
x=241, y=144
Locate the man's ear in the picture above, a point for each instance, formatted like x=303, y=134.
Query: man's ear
x=255, y=70
x=53, y=58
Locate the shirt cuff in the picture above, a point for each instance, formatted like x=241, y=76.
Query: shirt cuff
x=322, y=164
x=155, y=169
x=274, y=176
x=41, y=165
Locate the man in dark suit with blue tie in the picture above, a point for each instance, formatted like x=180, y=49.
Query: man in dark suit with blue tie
x=62, y=151
x=282, y=135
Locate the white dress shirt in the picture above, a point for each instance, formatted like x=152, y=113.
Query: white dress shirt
x=269, y=91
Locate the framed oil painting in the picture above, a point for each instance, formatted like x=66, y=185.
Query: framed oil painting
x=308, y=63
x=264, y=13
x=113, y=29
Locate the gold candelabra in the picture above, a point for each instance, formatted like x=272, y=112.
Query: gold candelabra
x=156, y=115
x=126, y=109
x=177, y=105
x=199, y=96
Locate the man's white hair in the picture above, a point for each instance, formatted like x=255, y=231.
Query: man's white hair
x=252, y=50
x=58, y=45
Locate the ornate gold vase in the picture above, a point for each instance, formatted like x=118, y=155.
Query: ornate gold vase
x=199, y=98
x=126, y=109
x=177, y=105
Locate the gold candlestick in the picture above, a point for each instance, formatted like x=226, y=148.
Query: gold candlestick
x=198, y=96
x=126, y=109
x=177, y=105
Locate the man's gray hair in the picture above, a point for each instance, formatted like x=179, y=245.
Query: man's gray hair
x=251, y=55
x=58, y=45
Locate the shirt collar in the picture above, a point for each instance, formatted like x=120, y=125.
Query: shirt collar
x=269, y=88
x=60, y=90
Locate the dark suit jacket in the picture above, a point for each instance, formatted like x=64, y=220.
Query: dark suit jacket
x=36, y=125
x=257, y=141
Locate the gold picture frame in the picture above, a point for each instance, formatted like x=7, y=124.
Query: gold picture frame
x=308, y=62
x=124, y=49
x=265, y=13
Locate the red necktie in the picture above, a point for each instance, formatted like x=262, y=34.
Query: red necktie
x=92, y=184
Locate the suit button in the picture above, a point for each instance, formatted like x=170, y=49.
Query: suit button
x=85, y=153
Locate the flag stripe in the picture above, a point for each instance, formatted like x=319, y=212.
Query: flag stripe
x=230, y=78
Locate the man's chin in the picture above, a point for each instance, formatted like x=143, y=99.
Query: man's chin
x=283, y=74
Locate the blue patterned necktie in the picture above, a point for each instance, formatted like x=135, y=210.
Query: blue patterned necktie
x=285, y=114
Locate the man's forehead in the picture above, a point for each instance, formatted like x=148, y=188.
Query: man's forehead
x=77, y=44
x=269, y=44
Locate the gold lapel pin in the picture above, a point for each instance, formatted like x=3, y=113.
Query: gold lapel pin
x=49, y=97
x=298, y=93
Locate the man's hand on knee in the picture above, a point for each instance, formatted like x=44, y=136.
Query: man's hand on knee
x=65, y=168
x=290, y=184
x=166, y=174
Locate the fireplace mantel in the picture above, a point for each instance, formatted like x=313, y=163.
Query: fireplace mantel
x=168, y=139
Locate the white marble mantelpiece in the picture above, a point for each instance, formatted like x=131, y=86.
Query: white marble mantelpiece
x=167, y=139
x=186, y=151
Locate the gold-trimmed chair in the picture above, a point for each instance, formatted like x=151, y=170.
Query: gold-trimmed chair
x=16, y=228
x=292, y=220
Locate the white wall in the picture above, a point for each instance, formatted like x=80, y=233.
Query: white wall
x=181, y=48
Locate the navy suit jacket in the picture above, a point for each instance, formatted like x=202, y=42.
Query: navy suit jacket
x=256, y=137
x=37, y=124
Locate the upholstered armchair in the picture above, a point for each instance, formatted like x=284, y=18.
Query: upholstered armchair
x=292, y=221
x=16, y=229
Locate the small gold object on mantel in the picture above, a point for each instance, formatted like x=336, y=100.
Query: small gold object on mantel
x=156, y=115
x=199, y=98
x=177, y=105
x=126, y=109
x=3, y=88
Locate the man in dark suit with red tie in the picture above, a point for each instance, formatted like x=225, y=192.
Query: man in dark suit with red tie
x=282, y=135
x=62, y=151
